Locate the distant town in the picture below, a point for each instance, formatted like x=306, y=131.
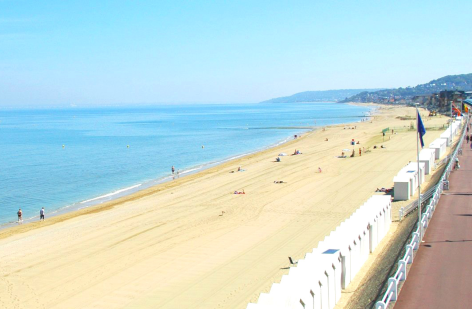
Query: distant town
x=435, y=95
x=440, y=101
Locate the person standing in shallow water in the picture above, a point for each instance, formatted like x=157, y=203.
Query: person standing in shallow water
x=41, y=214
x=173, y=169
x=20, y=216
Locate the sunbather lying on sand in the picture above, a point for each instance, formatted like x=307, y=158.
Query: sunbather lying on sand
x=383, y=190
x=279, y=182
x=239, y=193
x=239, y=170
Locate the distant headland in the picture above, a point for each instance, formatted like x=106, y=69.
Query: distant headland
x=435, y=94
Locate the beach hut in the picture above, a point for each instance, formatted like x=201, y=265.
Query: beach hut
x=447, y=136
x=413, y=177
x=419, y=177
x=457, y=125
x=427, y=157
x=401, y=185
x=439, y=147
x=318, y=279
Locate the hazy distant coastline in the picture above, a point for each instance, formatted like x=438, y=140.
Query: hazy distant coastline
x=321, y=96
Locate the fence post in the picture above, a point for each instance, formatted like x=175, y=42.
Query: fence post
x=394, y=288
x=402, y=264
x=410, y=257
x=417, y=237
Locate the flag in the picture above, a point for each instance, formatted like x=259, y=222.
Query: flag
x=455, y=109
x=421, y=130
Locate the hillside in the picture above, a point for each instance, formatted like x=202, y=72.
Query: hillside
x=451, y=82
x=319, y=96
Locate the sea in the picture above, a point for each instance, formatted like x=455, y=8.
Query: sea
x=72, y=158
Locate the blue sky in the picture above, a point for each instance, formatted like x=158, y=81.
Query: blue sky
x=142, y=52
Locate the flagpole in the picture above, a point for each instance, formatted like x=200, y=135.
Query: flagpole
x=418, y=162
x=451, y=127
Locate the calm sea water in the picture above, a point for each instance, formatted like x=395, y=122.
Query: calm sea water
x=66, y=159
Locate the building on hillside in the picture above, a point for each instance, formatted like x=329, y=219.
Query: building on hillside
x=448, y=96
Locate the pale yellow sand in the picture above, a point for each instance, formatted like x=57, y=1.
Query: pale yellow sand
x=172, y=247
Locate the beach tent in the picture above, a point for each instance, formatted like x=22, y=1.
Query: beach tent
x=427, y=157
x=439, y=147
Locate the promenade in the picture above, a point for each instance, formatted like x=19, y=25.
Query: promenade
x=441, y=275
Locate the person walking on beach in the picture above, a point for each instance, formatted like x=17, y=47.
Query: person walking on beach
x=360, y=152
x=20, y=216
x=41, y=214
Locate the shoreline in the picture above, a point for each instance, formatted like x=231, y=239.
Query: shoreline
x=147, y=188
x=135, y=189
x=162, y=184
x=146, y=185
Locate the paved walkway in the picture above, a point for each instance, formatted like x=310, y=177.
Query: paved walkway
x=441, y=274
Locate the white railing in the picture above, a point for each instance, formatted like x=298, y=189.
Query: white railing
x=391, y=293
x=404, y=211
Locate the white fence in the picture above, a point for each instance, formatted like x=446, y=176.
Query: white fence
x=317, y=280
x=391, y=293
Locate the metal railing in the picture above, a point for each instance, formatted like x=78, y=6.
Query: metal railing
x=391, y=293
x=404, y=211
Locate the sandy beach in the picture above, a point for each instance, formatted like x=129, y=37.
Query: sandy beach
x=193, y=243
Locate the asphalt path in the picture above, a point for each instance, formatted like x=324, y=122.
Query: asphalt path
x=441, y=274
